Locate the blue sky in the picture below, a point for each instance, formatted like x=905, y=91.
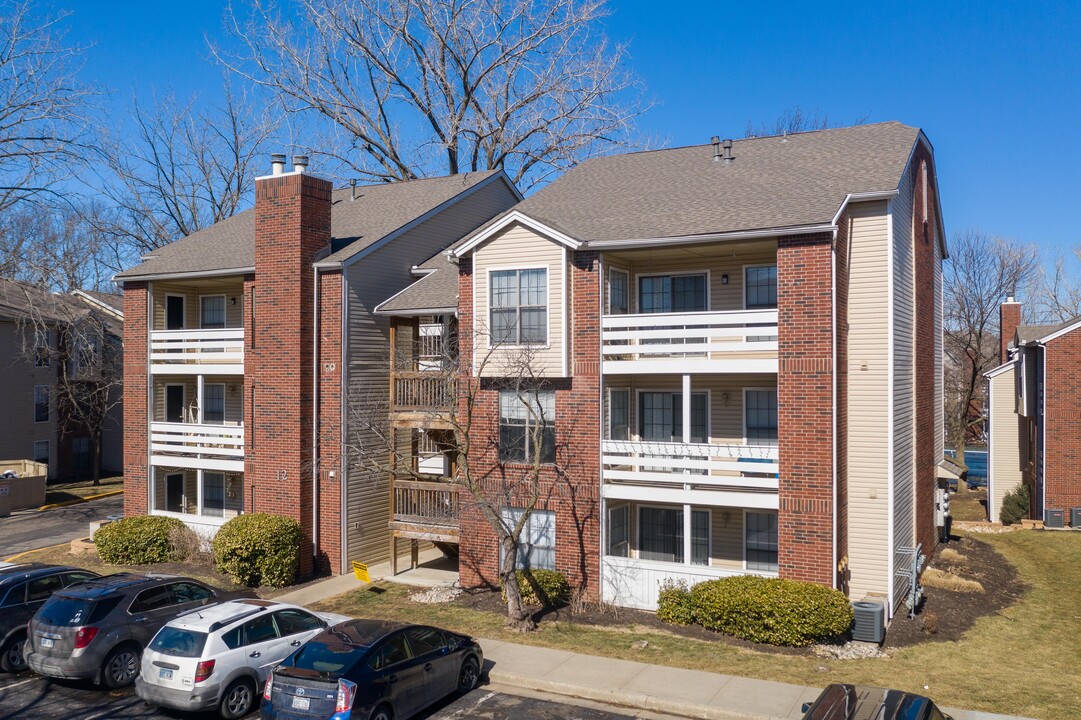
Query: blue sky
x=995, y=85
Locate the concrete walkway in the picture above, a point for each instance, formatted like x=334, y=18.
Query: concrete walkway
x=674, y=691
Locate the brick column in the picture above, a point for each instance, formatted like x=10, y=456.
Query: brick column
x=805, y=407
x=136, y=422
x=1009, y=317
x=330, y=422
x=292, y=223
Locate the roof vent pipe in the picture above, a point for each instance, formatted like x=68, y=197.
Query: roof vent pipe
x=353, y=189
x=728, y=152
x=277, y=164
x=716, y=148
x=300, y=163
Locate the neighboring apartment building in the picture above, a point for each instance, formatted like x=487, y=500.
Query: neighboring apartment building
x=737, y=351
x=34, y=425
x=246, y=340
x=1034, y=418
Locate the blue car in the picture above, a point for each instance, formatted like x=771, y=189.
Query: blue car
x=371, y=670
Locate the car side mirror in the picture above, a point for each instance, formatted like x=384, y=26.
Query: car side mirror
x=806, y=707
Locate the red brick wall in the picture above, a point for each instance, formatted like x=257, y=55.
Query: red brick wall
x=1009, y=317
x=292, y=223
x=571, y=487
x=1062, y=418
x=805, y=407
x=136, y=423
x=926, y=274
x=330, y=425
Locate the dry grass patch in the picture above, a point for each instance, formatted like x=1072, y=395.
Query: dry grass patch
x=951, y=555
x=935, y=578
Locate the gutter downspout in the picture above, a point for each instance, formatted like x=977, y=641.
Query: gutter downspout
x=342, y=441
x=315, y=415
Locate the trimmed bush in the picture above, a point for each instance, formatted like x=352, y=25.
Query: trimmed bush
x=552, y=584
x=1014, y=505
x=771, y=610
x=675, y=604
x=258, y=549
x=139, y=540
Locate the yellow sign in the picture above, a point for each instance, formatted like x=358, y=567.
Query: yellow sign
x=361, y=571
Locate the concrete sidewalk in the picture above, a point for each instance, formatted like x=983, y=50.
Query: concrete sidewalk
x=673, y=691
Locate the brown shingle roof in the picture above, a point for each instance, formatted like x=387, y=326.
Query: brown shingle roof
x=436, y=291
x=1027, y=334
x=378, y=211
x=773, y=182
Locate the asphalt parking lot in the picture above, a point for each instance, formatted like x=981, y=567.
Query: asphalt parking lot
x=27, y=696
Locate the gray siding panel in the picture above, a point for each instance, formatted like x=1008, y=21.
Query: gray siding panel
x=18, y=376
x=903, y=298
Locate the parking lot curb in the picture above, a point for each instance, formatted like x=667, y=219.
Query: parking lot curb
x=23, y=554
x=77, y=501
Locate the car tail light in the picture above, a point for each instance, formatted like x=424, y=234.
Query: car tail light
x=84, y=635
x=347, y=691
x=269, y=685
x=204, y=670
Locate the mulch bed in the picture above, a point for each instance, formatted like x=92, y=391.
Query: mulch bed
x=945, y=615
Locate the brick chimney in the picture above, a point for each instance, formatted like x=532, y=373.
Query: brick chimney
x=292, y=224
x=1009, y=317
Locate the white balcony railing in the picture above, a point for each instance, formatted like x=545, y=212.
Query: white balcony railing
x=697, y=336
x=194, y=439
x=745, y=467
x=628, y=582
x=197, y=347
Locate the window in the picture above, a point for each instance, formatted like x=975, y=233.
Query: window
x=617, y=292
x=212, y=312
x=15, y=596
x=186, y=592
x=259, y=630
x=74, y=578
x=291, y=622
x=80, y=454
x=213, y=494
x=618, y=414
x=537, y=543
x=660, y=416
x=42, y=588
x=42, y=347
x=214, y=403
x=521, y=416
x=760, y=416
x=174, y=312
x=672, y=293
x=619, y=538
x=174, y=493
x=41, y=451
x=393, y=652
x=152, y=599
x=519, y=307
x=760, y=287
x=174, y=403
x=761, y=541
x=660, y=535
x=41, y=403
x=425, y=640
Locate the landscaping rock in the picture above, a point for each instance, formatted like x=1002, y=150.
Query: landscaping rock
x=640, y=645
x=436, y=595
x=853, y=650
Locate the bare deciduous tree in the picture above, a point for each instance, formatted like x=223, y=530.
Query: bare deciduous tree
x=428, y=87
x=981, y=272
x=43, y=108
x=1057, y=296
x=55, y=247
x=795, y=120
x=185, y=169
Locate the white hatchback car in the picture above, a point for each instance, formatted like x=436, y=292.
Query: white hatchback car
x=218, y=657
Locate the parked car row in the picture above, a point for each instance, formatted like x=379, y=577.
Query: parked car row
x=189, y=646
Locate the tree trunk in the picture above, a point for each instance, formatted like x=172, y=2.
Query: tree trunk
x=518, y=617
x=95, y=458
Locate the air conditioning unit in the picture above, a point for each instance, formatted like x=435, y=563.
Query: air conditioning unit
x=869, y=624
x=1053, y=519
x=1075, y=518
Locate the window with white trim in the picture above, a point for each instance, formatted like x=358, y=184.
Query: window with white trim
x=537, y=543
x=619, y=531
x=42, y=347
x=760, y=538
x=672, y=293
x=619, y=414
x=214, y=403
x=760, y=416
x=41, y=403
x=212, y=312
x=518, y=302
x=41, y=451
x=525, y=418
x=660, y=416
x=213, y=494
x=760, y=287
x=617, y=291
x=660, y=534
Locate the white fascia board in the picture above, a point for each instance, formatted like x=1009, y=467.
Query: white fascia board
x=516, y=216
x=395, y=234
x=631, y=244
x=1059, y=333
x=193, y=275
x=98, y=303
x=863, y=197
x=1000, y=369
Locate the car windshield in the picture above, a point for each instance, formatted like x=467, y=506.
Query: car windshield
x=179, y=642
x=329, y=660
x=65, y=611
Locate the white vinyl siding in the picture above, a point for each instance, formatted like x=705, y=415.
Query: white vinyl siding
x=209, y=299
x=518, y=248
x=868, y=421
x=904, y=397
x=1007, y=438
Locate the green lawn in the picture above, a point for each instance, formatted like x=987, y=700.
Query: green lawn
x=1022, y=661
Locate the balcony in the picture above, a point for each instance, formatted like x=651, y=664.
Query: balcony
x=426, y=510
x=421, y=398
x=629, y=582
x=199, y=447
x=743, y=341
x=738, y=475
x=197, y=352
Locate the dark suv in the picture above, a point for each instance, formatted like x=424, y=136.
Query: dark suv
x=98, y=630
x=23, y=589
x=841, y=701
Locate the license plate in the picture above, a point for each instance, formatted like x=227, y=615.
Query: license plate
x=300, y=703
x=165, y=674
x=46, y=642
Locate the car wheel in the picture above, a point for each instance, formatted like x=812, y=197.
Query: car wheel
x=467, y=678
x=382, y=713
x=120, y=667
x=11, y=656
x=238, y=699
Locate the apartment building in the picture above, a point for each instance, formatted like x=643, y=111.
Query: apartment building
x=736, y=350
x=1033, y=418
x=246, y=340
